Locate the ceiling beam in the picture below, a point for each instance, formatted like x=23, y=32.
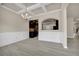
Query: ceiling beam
x=49, y=12
x=37, y=6
x=31, y=13
x=24, y=9
x=20, y=5
x=9, y=9
x=43, y=7
x=64, y=5
x=34, y=6
x=28, y=9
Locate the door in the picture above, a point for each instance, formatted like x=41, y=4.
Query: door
x=33, y=28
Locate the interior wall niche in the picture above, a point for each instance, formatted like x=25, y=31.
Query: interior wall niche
x=50, y=24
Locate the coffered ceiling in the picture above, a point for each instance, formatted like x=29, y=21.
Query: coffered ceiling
x=31, y=8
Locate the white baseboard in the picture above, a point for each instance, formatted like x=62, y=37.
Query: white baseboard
x=70, y=37
x=65, y=47
x=12, y=37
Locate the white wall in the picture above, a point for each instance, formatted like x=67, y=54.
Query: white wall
x=70, y=31
x=11, y=22
x=51, y=35
x=55, y=14
x=72, y=14
x=12, y=27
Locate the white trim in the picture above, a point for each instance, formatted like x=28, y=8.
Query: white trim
x=20, y=5
x=34, y=6
x=64, y=17
x=48, y=12
x=9, y=9
x=31, y=13
x=37, y=6
x=65, y=47
x=64, y=5
x=70, y=36
x=43, y=7
x=21, y=11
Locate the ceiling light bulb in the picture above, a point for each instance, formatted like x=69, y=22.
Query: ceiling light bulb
x=29, y=16
x=22, y=15
x=26, y=14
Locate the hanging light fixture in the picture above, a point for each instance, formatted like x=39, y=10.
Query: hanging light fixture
x=26, y=16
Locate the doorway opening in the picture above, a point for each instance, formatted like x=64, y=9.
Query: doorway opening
x=33, y=28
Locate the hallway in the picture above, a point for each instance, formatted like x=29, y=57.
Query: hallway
x=30, y=47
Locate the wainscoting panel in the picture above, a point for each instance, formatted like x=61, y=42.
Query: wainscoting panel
x=51, y=36
x=12, y=37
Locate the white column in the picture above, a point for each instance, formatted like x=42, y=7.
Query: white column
x=65, y=28
x=64, y=18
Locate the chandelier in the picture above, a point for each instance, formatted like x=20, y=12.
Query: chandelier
x=26, y=16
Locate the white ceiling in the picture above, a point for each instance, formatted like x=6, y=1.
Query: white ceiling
x=31, y=8
x=12, y=6
x=40, y=8
x=54, y=6
x=28, y=4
